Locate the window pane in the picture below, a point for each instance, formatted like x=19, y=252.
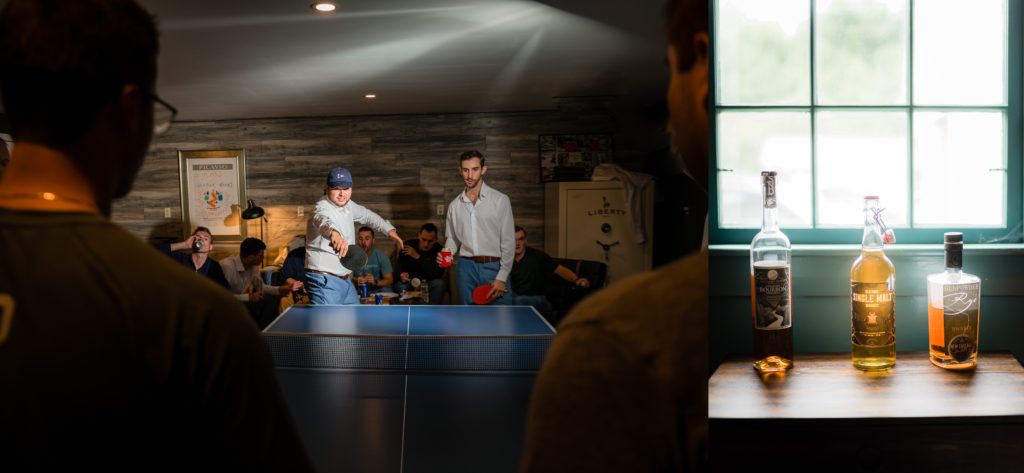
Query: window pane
x=958, y=162
x=859, y=154
x=960, y=52
x=861, y=52
x=763, y=52
x=751, y=142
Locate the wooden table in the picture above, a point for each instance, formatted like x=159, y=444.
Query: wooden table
x=828, y=416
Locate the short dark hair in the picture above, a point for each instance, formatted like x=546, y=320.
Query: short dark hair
x=251, y=246
x=470, y=155
x=61, y=62
x=684, y=19
x=428, y=227
x=202, y=229
x=364, y=228
x=521, y=229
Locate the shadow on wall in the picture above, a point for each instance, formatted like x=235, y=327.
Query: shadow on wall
x=167, y=232
x=412, y=204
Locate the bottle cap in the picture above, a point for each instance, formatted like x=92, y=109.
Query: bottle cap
x=954, y=247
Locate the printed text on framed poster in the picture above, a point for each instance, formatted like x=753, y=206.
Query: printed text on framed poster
x=212, y=192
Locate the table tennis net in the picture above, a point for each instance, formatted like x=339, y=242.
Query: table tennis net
x=409, y=352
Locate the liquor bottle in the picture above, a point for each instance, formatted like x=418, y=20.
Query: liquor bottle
x=873, y=296
x=954, y=310
x=770, y=289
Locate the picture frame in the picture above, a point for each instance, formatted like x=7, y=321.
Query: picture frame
x=573, y=157
x=213, y=192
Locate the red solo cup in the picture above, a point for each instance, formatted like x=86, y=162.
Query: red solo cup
x=446, y=257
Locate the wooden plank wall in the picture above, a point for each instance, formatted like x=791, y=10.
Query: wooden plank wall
x=403, y=166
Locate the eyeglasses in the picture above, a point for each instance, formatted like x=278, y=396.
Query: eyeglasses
x=163, y=115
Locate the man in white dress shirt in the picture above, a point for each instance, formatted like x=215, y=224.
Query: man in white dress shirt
x=481, y=233
x=329, y=233
x=242, y=272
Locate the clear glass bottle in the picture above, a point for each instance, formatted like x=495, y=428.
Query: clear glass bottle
x=873, y=296
x=770, y=288
x=954, y=310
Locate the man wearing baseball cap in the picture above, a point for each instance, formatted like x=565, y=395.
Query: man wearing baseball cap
x=330, y=230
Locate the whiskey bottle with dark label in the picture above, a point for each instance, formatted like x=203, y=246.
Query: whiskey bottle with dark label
x=771, y=296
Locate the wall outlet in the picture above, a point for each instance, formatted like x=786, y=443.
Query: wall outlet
x=299, y=211
x=167, y=212
x=440, y=209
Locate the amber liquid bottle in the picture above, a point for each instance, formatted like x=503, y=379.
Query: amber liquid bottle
x=770, y=289
x=873, y=297
x=954, y=310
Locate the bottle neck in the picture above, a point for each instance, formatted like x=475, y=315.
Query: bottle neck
x=872, y=230
x=770, y=220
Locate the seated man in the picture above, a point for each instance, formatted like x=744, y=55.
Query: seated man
x=294, y=269
x=530, y=274
x=197, y=258
x=243, y=274
x=377, y=273
x=419, y=260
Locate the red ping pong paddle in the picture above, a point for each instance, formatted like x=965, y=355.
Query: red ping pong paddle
x=480, y=294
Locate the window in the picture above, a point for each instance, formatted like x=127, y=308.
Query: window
x=907, y=100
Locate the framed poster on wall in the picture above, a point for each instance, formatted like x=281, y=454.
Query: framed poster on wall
x=212, y=192
x=573, y=157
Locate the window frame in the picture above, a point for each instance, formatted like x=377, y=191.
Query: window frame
x=1012, y=147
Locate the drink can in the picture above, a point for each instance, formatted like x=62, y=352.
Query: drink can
x=446, y=257
x=379, y=299
x=197, y=245
x=364, y=290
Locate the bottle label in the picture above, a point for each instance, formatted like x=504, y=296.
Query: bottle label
x=961, y=309
x=874, y=314
x=771, y=298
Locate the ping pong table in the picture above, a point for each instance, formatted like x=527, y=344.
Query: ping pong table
x=409, y=388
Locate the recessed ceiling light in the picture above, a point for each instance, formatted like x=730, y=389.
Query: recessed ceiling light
x=370, y=96
x=324, y=7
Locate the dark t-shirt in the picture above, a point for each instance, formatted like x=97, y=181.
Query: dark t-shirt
x=295, y=264
x=117, y=357
x=210, y=268
x=425, y=268
x=530, y=275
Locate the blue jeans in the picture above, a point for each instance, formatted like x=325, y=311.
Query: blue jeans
x=471, y=274
x=326, y=289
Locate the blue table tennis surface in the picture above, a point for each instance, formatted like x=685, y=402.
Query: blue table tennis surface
x=410, y=421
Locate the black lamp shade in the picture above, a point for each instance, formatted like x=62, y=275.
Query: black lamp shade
x=252, y=212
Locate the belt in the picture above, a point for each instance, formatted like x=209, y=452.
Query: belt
x=325, y=273
x=482, y=259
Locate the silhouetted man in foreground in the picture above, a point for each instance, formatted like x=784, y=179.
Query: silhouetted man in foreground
x=624, y=385
x=112, y=356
